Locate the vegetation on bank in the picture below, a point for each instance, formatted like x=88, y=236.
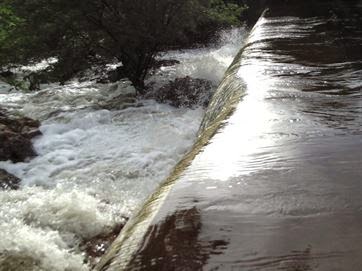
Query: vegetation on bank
x=81, y=34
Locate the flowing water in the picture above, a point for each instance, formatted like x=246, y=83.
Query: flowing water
x=278, y=186
x=95, y=166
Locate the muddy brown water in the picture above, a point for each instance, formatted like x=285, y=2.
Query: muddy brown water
x=279, y=185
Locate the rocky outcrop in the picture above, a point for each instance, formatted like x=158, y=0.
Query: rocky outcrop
x=8, y=181
x=15, y=137
x=184, y=92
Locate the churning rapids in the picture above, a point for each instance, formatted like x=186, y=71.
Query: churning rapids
x=94, y=166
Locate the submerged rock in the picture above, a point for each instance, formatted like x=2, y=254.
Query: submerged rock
x=184, y=92
x=17, y=262
x=119, y=102
x=6, y=74
x=116, y=74
x=121, y=96
x=98, y=245
x=15, y=137
x=8, y=181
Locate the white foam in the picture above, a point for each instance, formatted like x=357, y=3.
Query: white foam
x=207, y=63
x=45, y=224
x=94, y=166
x=42, y=65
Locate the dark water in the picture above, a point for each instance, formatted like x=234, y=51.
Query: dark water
x=279, y=187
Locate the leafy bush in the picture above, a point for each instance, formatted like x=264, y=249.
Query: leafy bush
x=225, y=13
x=82, y=33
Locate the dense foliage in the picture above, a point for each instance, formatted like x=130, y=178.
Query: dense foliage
x=83, y=33
x=8, y=23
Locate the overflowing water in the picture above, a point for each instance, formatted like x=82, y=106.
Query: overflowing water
x=95, y=166
x=278, y=185
x=207, y=63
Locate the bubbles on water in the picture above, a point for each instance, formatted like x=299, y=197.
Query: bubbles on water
x=42, y=225
x=95, y=166
x=211, y=64
x=208, y=63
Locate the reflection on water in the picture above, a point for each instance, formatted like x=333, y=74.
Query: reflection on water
x=280, y=183
x=176, y=245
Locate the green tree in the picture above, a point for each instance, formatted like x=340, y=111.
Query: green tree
x=8, y=23
x=82, y=33
x=225, y=13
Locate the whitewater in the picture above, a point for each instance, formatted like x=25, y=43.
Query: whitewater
x=95, y=166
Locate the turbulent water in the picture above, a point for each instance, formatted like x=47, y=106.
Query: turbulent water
x=95, y=166
x=278, y=186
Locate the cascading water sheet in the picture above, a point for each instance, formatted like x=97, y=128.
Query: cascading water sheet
x=273, y=183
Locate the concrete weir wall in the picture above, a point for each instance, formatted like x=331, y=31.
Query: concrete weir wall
x=125, y=248
x=133, y=236
x=274, y=179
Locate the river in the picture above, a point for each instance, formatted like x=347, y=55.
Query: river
x=274, y=182
x=95, y=167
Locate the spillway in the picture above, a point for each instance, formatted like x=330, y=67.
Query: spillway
x=274, y=181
